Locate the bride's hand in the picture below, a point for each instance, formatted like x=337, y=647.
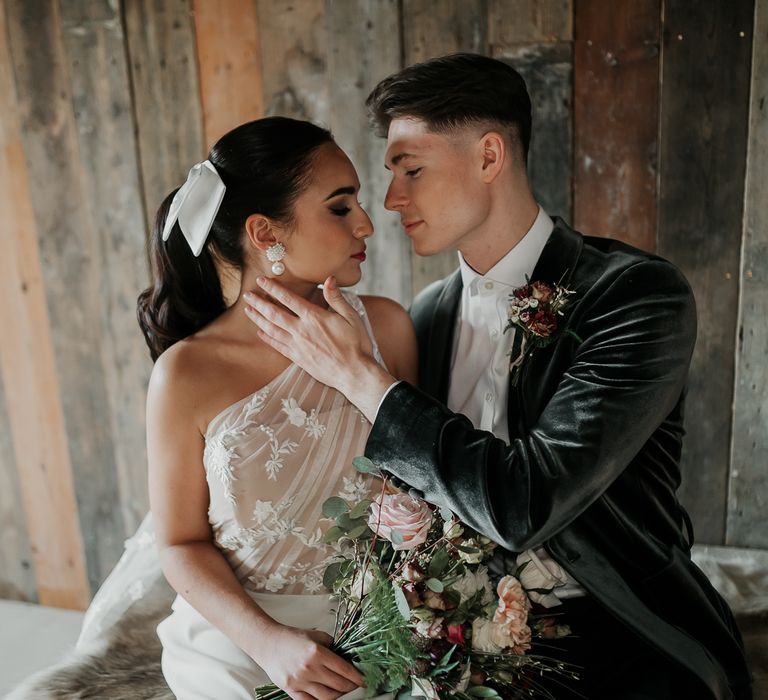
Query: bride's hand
x=300, y=663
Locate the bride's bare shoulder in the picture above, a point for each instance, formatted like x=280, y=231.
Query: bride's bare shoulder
x=181, y=371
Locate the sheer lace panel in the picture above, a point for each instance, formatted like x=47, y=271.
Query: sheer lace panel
x=271, y=460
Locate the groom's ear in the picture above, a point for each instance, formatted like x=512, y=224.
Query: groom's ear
x=493, y=152
x=261, y=231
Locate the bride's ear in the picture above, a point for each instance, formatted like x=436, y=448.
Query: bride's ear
x=261, y=231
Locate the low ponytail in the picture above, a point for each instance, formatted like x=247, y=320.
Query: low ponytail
x=264, y=165
x=185, y=294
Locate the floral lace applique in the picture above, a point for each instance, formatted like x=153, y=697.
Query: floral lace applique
x=275, y=463
x=271, y=526
x=313, y=428
x=310, y=576
x=218, y=460
x=217, y=456
x=298, y=416
x=355, y=489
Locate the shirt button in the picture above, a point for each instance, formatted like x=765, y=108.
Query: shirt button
x=488, y=285
x=489, y=397
x=494, y=333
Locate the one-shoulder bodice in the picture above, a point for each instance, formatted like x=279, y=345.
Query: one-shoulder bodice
x=271, y=460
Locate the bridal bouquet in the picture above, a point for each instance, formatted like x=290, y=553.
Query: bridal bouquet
x=417, y=612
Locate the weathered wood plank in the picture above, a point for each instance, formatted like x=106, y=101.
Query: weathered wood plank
x=93, y=37
x=68, y=247
x=356, y=62
x=547, y=70
x=513, y=22
x=293, y=51
x=748, y=491
x=616, y=103
x=229, y=62
x=166, y=94
x=704, y=115
x=27, y=355
x=17, y=581
x=434, y=28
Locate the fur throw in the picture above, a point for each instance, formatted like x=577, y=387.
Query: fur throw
x=125, y=665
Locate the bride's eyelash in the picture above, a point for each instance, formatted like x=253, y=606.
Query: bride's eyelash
x=342, y=211
x=413, y=173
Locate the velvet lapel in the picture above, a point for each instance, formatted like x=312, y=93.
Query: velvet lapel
x=556, y=264
x=438, y=368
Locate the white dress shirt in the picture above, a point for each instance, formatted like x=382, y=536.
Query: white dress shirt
x=479, y=379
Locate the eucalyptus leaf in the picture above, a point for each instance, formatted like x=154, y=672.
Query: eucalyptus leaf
x=334, y=506
x=364, y=465
x=331, y=575
x=435, y=584
x=360, y=509
x=481, y=691
x=402, y=603
x=347, y=523
x=445, y=513
x=355, y=532
x=438, y=562
x=466, y=549
x=332, y=534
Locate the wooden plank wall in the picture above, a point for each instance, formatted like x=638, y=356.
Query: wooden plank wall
x=748, y=483
x=638, y=134
x=617, y=116
x=702, y=166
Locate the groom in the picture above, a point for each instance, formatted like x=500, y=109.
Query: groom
x=576, y=463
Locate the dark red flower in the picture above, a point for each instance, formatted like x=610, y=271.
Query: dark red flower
x=456, y=634
x=543, y=323
x=542, y=291
x=522, y=292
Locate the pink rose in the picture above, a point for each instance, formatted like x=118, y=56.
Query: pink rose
x=400, y=513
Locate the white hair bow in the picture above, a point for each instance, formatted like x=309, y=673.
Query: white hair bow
x=195, y=205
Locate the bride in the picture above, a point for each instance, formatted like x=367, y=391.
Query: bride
x=243, y=446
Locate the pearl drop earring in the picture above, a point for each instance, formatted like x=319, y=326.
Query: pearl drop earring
x=275, y=254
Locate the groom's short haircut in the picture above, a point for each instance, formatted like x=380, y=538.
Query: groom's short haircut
x=453, y=92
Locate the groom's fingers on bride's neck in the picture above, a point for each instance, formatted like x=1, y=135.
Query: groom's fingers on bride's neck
x=301, y=307
x=267, y=328
x=259, y=307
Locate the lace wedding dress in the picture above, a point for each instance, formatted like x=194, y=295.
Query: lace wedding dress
x=271, y=460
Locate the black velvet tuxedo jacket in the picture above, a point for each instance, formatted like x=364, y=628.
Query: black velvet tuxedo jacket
x=596, y=426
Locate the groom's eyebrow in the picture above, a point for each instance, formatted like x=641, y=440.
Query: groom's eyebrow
x=340, y=190
x=396, y=159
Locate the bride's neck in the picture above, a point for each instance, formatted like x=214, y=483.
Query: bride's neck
x=306, y=290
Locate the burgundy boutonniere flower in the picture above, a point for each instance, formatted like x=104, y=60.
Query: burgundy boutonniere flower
x=536, y=309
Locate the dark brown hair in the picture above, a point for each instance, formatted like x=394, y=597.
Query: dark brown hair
x=265, y=165
x=455, y=91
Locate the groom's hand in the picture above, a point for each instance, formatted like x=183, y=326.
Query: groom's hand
x=331, y=345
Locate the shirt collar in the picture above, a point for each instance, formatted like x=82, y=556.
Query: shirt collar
x=515, y=266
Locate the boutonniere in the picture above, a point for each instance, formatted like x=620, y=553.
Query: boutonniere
x=536, y=309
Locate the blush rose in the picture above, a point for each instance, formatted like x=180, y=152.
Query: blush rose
x=400, y=513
